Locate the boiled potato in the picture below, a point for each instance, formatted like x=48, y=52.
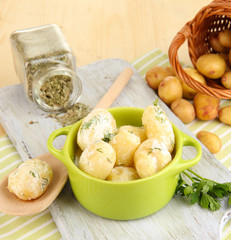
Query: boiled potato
x=215, y=44
x=225, y=38
x=184, y=110
x=122, y=174
x=125, y=143
x=158, y=126
x=78, y=153
x=170, y=89
x=226, y=80
x=211, y=65
x=189, y=92
x=225, y=115
x=210, y=140
x=206, y=107
x=98, y=159
x=150, y=157
x=95, y=126
x=138, y=131
x=31, y=179
x=155, y=75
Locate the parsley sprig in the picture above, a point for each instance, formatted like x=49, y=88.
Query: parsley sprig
x=207, y=193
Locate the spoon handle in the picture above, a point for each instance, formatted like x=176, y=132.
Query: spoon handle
x=115, y=89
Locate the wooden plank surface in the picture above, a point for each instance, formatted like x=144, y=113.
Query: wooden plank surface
x=177, y=220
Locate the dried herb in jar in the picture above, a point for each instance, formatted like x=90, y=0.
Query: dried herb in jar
x=56, y=90
x=45, y=65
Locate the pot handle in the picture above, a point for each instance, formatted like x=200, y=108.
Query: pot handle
x=58, y=153
x=182, y=164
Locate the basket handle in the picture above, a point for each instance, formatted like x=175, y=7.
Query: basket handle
x=184, y=34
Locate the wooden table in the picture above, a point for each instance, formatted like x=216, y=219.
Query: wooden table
x=98, y=29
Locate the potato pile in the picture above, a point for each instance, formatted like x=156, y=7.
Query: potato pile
x=126, y=153
x=186, y=102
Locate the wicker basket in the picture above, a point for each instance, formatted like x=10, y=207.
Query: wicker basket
x=214, y=17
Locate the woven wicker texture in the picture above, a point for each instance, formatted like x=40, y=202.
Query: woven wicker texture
x=214, y=17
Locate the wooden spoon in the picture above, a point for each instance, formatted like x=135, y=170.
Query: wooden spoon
x=12, y=205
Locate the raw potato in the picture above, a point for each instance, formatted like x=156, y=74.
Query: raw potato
x=189, y=92
x=95, y=126
x=225, y=38
x=170, y=89
x=225, y=115
x=158, y=126
x=206, y=107
x=229, y=57
x=98, y=159
x=225, y=56
x=125, y=144
x=184, y=110
x=170, y=70
x=150, y=157
x=31, y=179
x=226, y=80
x=211, y=65
x=155, y=75
x=138, y=131
x=122, y=174
x=216, y=45
x=210, y=140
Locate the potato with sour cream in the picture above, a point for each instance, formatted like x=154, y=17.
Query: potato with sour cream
x=31, y=179
x=150, y=157
x=122, y=174
x=125, y=144
x=95, y=126
x=158, y=126
x=138, y=131
x=98, y=159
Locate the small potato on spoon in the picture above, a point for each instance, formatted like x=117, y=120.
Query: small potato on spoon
x=12, y=205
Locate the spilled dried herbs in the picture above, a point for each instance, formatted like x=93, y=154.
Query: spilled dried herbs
x=71, y=115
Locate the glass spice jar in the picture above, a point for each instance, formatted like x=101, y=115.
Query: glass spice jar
x=46, y=66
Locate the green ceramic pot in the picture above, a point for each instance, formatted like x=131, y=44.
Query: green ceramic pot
x=123, y=200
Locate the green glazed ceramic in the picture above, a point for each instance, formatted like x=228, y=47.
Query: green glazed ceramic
x=123, y=200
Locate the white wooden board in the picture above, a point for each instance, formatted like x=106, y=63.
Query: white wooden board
x=177, y=220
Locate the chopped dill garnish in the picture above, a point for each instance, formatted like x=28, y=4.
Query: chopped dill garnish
x=152, y=149
x=44, y=183
x=108, y=137
x=92, y=121
x=155, y=103
x=160, y=116
x=99, y=150
x=34, y=173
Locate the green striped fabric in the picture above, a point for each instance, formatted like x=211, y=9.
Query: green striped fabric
x=42, y=226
